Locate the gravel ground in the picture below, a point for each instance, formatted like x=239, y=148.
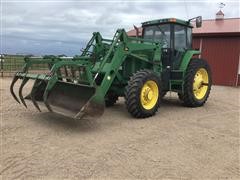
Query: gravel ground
x=177, y=143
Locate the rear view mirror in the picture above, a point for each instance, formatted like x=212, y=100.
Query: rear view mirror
x=198, y=21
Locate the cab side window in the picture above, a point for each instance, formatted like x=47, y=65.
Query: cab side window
x=160, y=33
x=180, y=37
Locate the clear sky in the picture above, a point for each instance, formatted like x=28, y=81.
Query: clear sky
x=64, y=26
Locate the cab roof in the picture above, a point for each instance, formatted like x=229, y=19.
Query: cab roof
x=167, y=20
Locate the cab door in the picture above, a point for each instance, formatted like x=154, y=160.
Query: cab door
x=182, y=41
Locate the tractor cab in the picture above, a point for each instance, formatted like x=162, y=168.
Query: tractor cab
x=175, y=36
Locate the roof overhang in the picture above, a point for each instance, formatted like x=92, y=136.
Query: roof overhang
x=225, y=34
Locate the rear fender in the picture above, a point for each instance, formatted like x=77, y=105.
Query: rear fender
x=187, y=58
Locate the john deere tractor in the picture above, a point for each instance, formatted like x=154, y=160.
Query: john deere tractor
x=141, y=69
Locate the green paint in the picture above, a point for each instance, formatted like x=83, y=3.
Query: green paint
x=186, y=59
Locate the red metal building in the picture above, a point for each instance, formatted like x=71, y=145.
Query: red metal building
x=219, y=41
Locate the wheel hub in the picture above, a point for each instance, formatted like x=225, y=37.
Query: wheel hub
x=200, y=83
x=198, y=80
x=149, y=94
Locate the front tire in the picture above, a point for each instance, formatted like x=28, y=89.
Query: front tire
x=142, y=94
x=197, y=83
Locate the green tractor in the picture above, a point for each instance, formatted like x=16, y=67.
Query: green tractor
x=141, y=69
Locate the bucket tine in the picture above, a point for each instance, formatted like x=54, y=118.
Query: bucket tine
x=33, y=93
x=25, y=80
x=45, y=95
x=48, y=106
x=72, y=72
x=15, y=78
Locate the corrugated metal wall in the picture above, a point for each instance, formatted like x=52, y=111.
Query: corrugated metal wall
x=222, y=53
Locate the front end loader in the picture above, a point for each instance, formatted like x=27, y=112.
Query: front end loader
x=141, y=69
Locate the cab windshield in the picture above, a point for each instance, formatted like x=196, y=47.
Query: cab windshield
x=159, y=33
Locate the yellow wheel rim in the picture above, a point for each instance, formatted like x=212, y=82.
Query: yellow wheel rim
x=200, y=83
x=149, y=95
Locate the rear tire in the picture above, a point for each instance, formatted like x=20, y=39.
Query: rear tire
x=142, y=94
x=197, y=83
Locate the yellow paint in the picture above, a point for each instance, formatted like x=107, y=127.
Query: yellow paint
x=200, y=83
x=149, y=95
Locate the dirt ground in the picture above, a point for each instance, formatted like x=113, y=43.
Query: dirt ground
x=177, y=143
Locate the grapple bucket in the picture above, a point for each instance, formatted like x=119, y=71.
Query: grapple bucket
x=68, y=99
x=72, y=94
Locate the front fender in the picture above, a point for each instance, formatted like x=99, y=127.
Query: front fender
x=186, y=59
